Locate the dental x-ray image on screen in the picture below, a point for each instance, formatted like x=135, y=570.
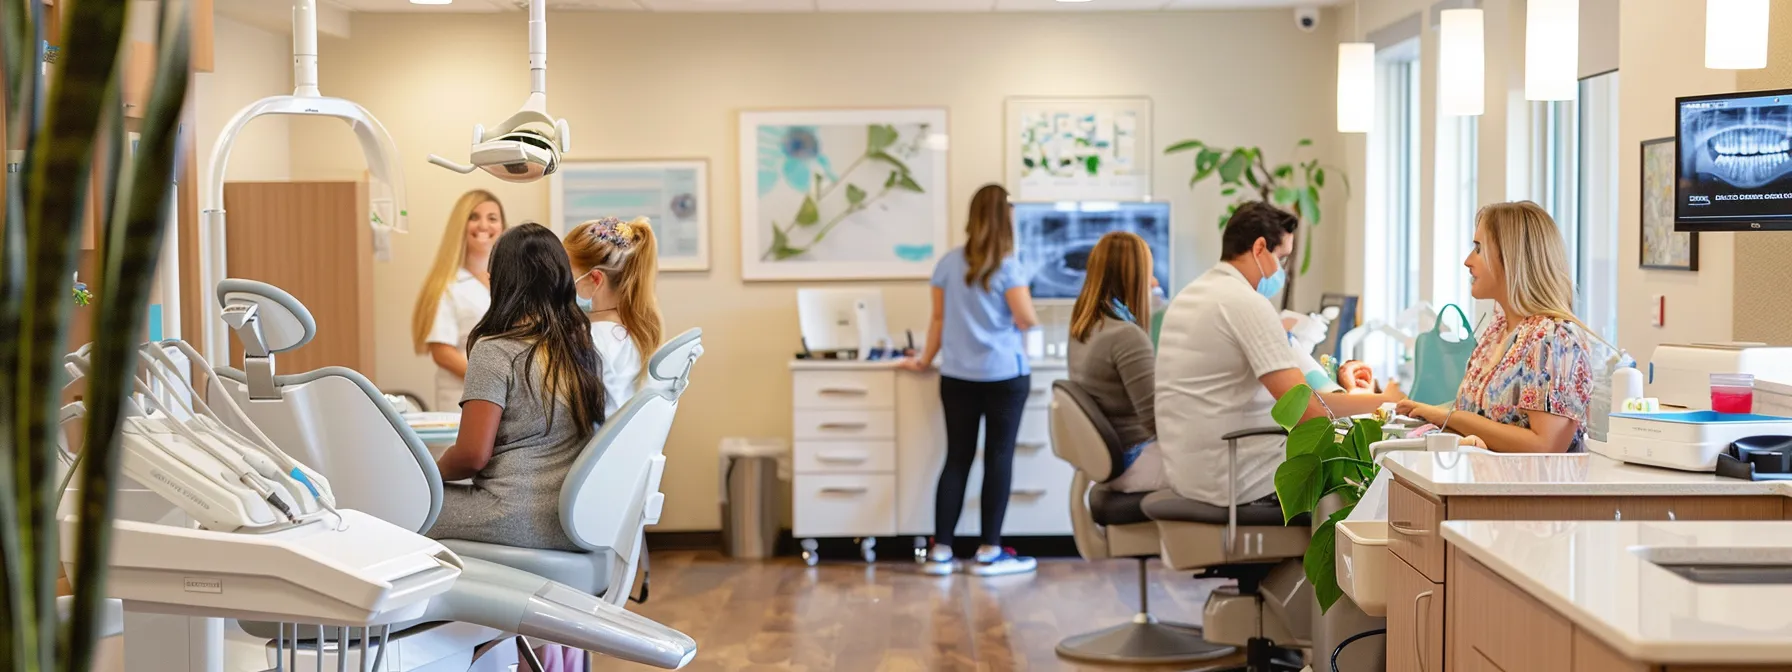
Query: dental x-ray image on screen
x=1735, y=161
x=1053, y=240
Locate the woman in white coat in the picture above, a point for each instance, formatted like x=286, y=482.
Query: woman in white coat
x=457, y=292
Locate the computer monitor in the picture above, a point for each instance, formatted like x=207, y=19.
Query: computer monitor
x=1053, y=241
x=842, y=319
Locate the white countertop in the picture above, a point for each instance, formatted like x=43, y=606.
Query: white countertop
x=1049, y=364
x=1595, y=575
x=1481, y=474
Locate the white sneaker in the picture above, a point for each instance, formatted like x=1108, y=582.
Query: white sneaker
x=1003, y=564
x=939, y=561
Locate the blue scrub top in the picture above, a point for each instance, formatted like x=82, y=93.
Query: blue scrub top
x=980, y=342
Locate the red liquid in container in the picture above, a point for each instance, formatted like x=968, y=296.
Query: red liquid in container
x=1731, y=400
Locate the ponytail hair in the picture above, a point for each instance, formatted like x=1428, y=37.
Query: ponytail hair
x=627, y=253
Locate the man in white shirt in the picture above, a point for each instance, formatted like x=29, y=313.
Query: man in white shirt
x=1223, y=359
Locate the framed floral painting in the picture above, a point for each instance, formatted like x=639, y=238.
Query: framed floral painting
x=1079, y=149
x=673, y=194
x=843, y=194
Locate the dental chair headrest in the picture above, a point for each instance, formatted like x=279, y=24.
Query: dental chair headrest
x=285, y=323
x=673, y=361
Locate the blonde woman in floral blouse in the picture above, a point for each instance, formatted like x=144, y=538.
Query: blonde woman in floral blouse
x=1527, y=386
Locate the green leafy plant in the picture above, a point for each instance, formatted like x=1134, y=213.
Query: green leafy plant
x=1325, y=457
x=884, y=148
x=1245, y=176
x=52, y=131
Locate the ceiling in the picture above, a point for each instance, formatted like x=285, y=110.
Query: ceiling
x=731, y=6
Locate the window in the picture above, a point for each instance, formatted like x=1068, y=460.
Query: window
x=1391, y=284
x=1595, y=245
x=1456, y=204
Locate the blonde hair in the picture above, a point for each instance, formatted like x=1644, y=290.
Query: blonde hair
x=451, y=255
x=1119, y=268
x=990, y=234
x=628, y=255
x=1524, y=240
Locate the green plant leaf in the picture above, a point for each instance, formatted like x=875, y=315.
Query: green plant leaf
x=1304, y=142
x=893, y=161
x=809, y=214
x=879, y=137
x=1363, y=432
x=1298, y=485
x=909, y=183
x=1306, y=251
x=890, y=181
x=1233, y=168
x=854, y=194
x=1092, y=163
x=1227, y=216
x=1311, y=437
x=1184, y=146
x=1292, y=406
x=1229, y=192
x=1321, y=561
x=1309, y=204
x=1250, y=175
x=1284, y=172
x=1284, y=196
x=1319, y=177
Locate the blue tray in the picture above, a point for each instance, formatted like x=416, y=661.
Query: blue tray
x=1701, y=417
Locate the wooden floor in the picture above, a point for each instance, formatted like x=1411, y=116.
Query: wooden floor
x=782, y=615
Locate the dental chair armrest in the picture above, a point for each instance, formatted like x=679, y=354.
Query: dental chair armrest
x=1259, y=431
x=1232, y=477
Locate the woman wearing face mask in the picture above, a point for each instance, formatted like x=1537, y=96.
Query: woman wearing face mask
x=1528, y=384
x=457, y=292
x=616, y=263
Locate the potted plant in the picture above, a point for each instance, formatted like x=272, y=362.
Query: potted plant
x=1245, y=176
x=55, y=125
x=1325, y=457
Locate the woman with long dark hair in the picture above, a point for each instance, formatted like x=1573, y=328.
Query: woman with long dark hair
x=534, y=380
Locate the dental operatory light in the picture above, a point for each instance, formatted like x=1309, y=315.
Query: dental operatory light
x=1551, y=49
x=1356, y=83
x=528, y=145
x=1736, y=34
x=1462, y=62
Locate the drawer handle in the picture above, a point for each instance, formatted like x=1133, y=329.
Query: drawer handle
x=844, y=425
x=852, y=391
x=1418, y=626
x=839, y=490
x=858, y=458
x=1407, y=528
x=1029, y=492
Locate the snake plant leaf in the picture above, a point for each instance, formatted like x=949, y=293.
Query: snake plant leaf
x=136, y=235
x=1292, y=406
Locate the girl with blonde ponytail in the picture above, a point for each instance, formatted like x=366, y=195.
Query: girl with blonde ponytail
x=615, y=263
x=1529, y=382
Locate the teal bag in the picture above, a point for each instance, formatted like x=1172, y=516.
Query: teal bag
x=1439, y=365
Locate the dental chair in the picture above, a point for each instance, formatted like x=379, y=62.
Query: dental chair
x=1269, y=612
x=1112, y=524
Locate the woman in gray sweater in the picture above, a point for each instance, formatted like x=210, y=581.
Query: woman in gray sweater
x=1111, y=355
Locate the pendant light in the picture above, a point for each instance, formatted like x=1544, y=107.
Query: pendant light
x=1462, y=62
x=1551, y=49
x=1736, y=34
x=1356, y=82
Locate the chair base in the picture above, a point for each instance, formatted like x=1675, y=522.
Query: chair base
x=1148, y=643
x=1263, y=655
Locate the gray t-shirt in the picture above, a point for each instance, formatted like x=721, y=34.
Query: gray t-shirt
x=515, y=499
x=1119, y=370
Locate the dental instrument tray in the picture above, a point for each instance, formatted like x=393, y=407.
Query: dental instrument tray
x=1689, y=441
x=358, y=571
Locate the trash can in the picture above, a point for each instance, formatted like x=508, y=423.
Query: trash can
x=749, y=477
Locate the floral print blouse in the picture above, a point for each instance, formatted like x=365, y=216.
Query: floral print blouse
x=1541, y=364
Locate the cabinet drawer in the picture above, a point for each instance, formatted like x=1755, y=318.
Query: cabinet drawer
x=845, y=425
x=844, y=505
x=822, y=457
x=1040, y=394
x=1413, y=529
x=844, y=389
x=1493, y=623
x=1037, y=506
x=1415, y=639
x=1035, y=431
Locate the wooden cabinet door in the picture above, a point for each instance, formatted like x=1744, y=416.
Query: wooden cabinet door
x=1415, y=621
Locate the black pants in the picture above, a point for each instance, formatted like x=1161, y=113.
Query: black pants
x=996, y=406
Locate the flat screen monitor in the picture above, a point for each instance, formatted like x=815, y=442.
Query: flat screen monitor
x=841, y=319
x=1053, y=240
x=1733, y=155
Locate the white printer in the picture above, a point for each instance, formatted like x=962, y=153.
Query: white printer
x=1680, y=375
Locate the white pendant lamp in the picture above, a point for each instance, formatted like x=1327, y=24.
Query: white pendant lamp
x=1551, y=49
x=1462, y=62
x=1736, y=34
x=1356, y=87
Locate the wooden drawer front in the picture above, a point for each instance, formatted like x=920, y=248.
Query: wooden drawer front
x=845, y=425
x=844, y=389
x=1616, y=508
x=848, y=457
x=1703, y=508
x=1415, y=637
x=844, y=505
x=1413, y=529
x=1492, y=619
x=1592, y=655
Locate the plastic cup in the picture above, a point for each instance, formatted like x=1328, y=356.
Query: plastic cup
x=1732, y=392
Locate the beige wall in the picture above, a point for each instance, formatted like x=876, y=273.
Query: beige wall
x=1762, y=274
x=647, y=86
x=1662, y=56
x=251, y=64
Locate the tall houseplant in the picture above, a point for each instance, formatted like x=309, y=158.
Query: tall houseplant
x=54, y=125
x=1321, y=462
x=1246, y=176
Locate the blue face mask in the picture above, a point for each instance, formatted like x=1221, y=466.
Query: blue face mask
x=585, y=305
x=1272, y=283
x=1121, y=310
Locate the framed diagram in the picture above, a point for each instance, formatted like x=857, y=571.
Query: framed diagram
x=674, y=194
x=1078, y=149
x=1662, y=247
x=843, y=194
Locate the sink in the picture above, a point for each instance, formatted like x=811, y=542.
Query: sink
x=1732, y=574
x=1732, y=565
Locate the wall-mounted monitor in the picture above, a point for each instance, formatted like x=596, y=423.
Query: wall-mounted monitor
x=1733, y=154
x=1053, y=240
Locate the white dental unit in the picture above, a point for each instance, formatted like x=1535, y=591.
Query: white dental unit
x=1687, y=435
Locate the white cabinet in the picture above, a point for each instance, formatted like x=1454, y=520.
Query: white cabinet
x=870, y=441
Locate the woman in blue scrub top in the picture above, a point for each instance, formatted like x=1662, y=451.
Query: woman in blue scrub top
x=981, y=309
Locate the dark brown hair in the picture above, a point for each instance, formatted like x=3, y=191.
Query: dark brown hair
x=533, y=301
x=990, y=234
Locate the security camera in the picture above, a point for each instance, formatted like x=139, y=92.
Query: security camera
x=1306, y=18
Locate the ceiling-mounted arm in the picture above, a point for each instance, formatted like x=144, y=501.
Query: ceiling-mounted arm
x=304, y=48
x=527, y=146
x=538, y=46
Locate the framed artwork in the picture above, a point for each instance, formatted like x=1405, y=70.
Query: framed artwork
x=1079, y=149
x=674, y=194
x=1662, y=246
x=843, y=194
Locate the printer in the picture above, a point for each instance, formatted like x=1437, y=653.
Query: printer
x=1680, y=375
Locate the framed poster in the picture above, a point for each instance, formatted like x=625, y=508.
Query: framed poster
x=1079, y=149
x=674, y=194
x=842, y=194
x=1663, y=247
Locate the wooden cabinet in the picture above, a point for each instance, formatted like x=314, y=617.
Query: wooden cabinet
x=1414, y=529
x=1415, y=621
x=1491, y=622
